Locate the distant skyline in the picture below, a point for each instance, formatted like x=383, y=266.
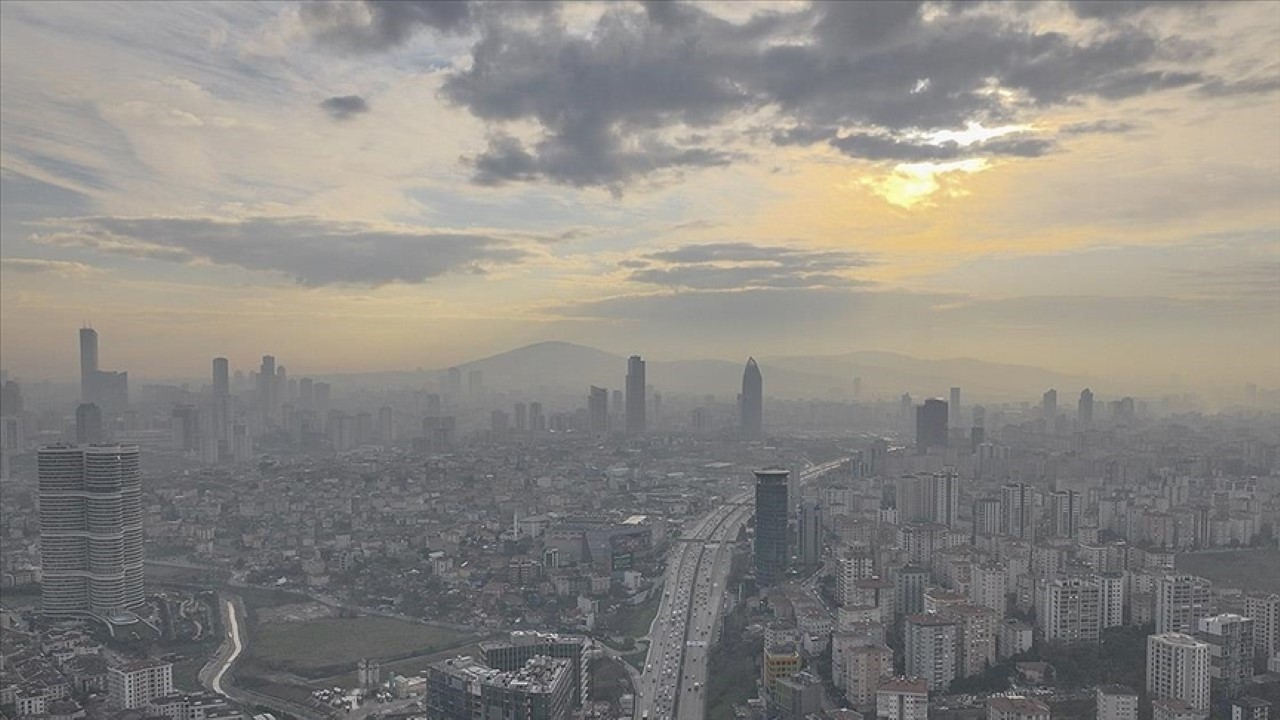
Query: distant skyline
x=1090, y=188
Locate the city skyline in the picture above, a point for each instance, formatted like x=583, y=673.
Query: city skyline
x=918, y=191
x=639, y=359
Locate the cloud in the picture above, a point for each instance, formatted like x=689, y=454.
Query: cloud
x=312, y=251
x=31, y=266
x=1096, y=127
x=879, y=147
x=639, y=92
x=378, y=25
x=740, y=265
x=344, y=107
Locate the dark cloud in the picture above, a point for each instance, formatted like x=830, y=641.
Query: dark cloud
x=376, y=25
x=1098, y=127
x=1120, y=9
x=344, y=107
x=312, y=251
x=877, y=147
x=740, y=265
x=653, y=89
x=1251, y=86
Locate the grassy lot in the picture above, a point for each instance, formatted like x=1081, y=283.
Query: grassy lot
x=634, y=620
x=636, y=659
x=609, y=681
x=1249, y=570
x=732, y=675
x=186, y=674
x=408, y=667
x=322, y=647
x=256, y=598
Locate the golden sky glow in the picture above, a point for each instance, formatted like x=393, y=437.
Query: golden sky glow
x=344, y=187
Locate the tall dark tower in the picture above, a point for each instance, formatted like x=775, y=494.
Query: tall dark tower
x=635, y=396
x=598, y=410
x=221, y=377
x=88, y=364
x=752, y=403
x=931, y=425
x=771, y=525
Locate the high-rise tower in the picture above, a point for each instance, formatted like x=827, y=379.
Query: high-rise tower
x=1178, y=669
x=635, y=396
x=1049, y=405
x=88, y=365
x=771, y=524
x=752, y=403
x=221, y=377
x=598, y=410
x=90, y=530
x=931, y=425
x=1084, y=409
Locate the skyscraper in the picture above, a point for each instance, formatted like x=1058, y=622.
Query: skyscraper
x=221, y=377
x=108, y=390
x=752, y=408
x=945, y=488
x=1178, y=669
x=267, y=389
x=1017, y=517
x=1084, y=409
x=1064, y=513
x=954, y=418
x=930, y=648
x=90, y=530
x=88, y=365
x=810, y=531
x=931, y=425
x=89, y=423
x=1049, y=405
x=771, y=524
x=635, y=396
x=598, y=410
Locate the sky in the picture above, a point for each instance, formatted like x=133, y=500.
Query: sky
x=1086, y=187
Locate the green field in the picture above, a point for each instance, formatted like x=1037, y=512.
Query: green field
x=318, y=647
x=1248, y=570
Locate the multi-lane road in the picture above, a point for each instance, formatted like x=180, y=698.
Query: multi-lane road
x=673, y=684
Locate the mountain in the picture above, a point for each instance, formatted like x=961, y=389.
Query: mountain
x=564, y=366
x=557, y=368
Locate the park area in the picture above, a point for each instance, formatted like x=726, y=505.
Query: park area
x=328, y=646
x=1256, y=570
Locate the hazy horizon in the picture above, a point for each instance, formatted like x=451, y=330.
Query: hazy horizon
x=1086, y=188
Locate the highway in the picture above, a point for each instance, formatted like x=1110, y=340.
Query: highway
x=674, y=680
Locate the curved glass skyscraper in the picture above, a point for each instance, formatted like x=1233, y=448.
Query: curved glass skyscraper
x=90, y=530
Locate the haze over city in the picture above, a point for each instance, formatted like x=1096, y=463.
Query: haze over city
x=665, y=360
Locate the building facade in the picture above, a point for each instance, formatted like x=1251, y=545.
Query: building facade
x=90, y=530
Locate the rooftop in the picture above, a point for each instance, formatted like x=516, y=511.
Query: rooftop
x=904, y=685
